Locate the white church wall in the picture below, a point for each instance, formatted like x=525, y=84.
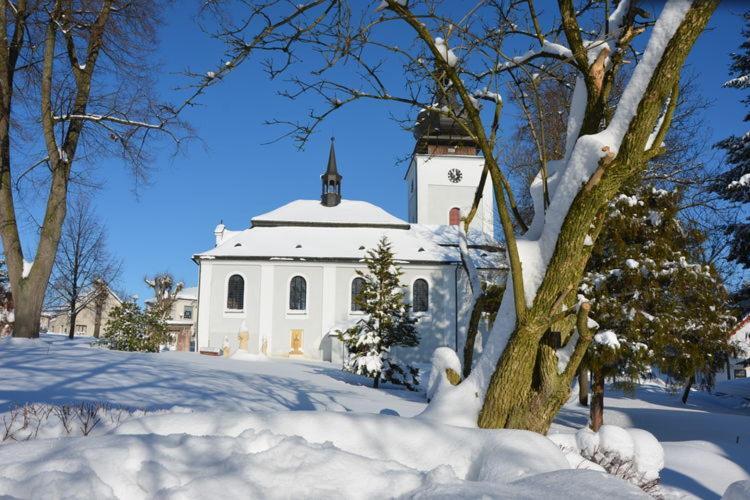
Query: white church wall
x=434, y=194
x=216, y=321
x=443, y=198
x=267, y=315
x=286, y=320
x=205, y=299
x=437, y=327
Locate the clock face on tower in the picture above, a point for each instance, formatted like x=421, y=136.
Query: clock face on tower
x=455, y=175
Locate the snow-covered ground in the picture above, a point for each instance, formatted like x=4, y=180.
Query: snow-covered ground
x=223, y=425
x=53, y=369
x=706, y=442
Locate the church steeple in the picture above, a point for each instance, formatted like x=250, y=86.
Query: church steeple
x=331, y=180
x=437, y=133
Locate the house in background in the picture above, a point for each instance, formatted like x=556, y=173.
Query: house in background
x=181, y=320
x=59, y=321
x=739, y=367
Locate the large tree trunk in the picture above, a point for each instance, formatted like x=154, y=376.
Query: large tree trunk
x=583, y=386
x=28, y=313
x=98, y=319
x=688, y=386
x=72, y=326
x=596, y=413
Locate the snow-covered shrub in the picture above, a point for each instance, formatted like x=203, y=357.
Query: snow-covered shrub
x=634, y=455
x=443, y=359
x=41, y=421
x=131, y=329
x=408, y=376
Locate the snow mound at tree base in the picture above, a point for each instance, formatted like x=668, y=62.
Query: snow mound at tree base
x=297, y=455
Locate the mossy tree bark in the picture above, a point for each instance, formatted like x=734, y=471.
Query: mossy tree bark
x=515, y=397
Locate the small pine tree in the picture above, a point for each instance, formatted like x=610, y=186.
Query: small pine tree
x=130, y=328
x=656, y=303
x=387, y=322
x=734, y=184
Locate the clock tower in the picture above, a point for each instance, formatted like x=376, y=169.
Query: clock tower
x=444, y=172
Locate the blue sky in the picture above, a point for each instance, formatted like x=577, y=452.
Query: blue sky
x=230, y=175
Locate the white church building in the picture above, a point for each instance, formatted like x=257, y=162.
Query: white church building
x=290, y=278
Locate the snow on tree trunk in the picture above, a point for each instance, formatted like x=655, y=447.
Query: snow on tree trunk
x=496, y=394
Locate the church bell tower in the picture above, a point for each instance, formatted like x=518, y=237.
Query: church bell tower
x=446, y=166
x=331, y=181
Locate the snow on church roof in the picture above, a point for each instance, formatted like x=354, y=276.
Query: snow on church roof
x=313, y=213
x=307, y=229
x=326, y=242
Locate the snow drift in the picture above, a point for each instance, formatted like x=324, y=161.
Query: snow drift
x=297, y=455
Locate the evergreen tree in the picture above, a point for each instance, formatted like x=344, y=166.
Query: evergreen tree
x=734, y=184
x=387, y=322
x=741, y=299
x=130, y=328
x=656, y=303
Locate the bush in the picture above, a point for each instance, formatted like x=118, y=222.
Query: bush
x=131, y=329
x=43, y=421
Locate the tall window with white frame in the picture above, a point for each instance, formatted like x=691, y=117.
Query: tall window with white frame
x=236, y=293
x=357, y=285
x=420, y=300
x=298, y=294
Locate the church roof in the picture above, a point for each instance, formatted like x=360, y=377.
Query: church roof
x=305, y=229
x=329, y=243
x=348, y=213
x=412, y=243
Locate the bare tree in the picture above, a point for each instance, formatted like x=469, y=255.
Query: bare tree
x=451, y=63
x=165, y=290
x=76, y=83
x=82, y=262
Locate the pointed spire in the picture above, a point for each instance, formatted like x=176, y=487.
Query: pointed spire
x=331, y=180
x=332, y=168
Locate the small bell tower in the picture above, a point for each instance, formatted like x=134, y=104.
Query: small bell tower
x=331, y=180
x=446, y=167
x=439, y=134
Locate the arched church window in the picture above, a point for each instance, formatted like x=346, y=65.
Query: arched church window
x=420, y=300
x=236, y=292
x=357, y=285
x=454, y=216
x=298, y=294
